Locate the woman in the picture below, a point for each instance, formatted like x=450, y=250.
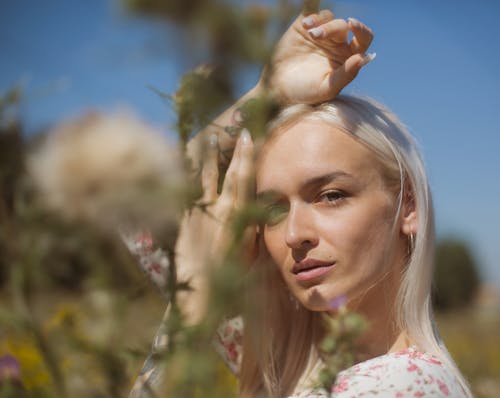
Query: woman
x=349, y=216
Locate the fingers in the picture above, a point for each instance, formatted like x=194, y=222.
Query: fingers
x=322, y=25
x=229, y=187
x=362, y=38
x=238, y=187
x=245, y=185
x=210, y=171
x=336, y=30
x=316, y=19
x=348, y=71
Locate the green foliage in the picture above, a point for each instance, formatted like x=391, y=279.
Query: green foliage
x=200, y=95
x=83, y=348
x=257, y=113
x=230, y=32
x=338, y=347
x=456, y=278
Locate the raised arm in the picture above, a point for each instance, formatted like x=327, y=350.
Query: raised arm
x=312, y=63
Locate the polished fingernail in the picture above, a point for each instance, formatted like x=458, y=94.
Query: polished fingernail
x=245, y=136
x=316, y=32
x=213, y=140
x=308, y=22
x=368, y=58
x=354, y=22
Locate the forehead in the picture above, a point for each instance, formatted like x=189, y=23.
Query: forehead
x=309, y=148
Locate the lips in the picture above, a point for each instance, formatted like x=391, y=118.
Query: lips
x=310, y=269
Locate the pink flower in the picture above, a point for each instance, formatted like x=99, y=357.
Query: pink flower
x=9, y=368
x=413, y=367
x=432, y=360
x=155, y=267
x=145, y=240
x=443, y=387
x=232, y=352
x=341, y=386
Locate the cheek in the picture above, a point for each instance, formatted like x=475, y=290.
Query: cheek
x=360, y=232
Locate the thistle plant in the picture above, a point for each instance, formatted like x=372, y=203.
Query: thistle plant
x=338, y=349
x=66, y=196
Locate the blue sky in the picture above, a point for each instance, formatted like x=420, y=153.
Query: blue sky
x=436, y=68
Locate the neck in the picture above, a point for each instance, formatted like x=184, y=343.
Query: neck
x=377, y=305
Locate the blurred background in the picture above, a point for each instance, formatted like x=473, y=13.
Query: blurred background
x=436, y=68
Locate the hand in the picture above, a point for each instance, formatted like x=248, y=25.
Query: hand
x=314, y=61
x=206, y=233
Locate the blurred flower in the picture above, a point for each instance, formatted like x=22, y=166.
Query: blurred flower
x=24, y=356
x=338, y=302
x=109, y=170
x=9, y=368
x=100, y=322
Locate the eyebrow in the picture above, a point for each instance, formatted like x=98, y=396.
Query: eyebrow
x=311, y=182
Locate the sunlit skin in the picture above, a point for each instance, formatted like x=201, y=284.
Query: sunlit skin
x=329, y=205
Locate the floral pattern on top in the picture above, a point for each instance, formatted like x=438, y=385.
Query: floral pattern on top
x=409, y=373
x=153, y=261
x=228, y=343
x=405, y=374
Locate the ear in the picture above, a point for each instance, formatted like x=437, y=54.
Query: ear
x=408, y=211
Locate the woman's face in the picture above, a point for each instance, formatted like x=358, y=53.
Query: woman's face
x=330, y=213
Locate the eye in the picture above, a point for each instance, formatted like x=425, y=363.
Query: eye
x=276, y=213
x=332, y=197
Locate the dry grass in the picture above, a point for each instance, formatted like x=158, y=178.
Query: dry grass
x=473, y=340
x=471, y=336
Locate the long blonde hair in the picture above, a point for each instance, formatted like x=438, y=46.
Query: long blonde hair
x=279, y=338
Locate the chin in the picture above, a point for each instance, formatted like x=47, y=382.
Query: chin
x=315, y=300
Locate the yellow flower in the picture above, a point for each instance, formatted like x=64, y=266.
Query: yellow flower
x=34, y=374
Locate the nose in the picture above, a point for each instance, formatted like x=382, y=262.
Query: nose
x=300, y=230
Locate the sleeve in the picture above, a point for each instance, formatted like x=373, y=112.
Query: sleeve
x=155, y=264
x=228, y=342
x=149, y=382
x=153, y=261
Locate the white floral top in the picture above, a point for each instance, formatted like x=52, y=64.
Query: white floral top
x=405, y=374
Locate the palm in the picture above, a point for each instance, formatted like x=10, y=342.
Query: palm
x=311, y=70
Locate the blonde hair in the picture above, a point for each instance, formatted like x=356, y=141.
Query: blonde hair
x=279, y=339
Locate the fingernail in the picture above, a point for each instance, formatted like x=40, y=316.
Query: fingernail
x=316, y=32
x=308, y=22
x=354, y=22
x=245, y=136
x=213, y=140
x=368, y=58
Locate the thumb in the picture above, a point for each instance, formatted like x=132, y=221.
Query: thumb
x=348, y=71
